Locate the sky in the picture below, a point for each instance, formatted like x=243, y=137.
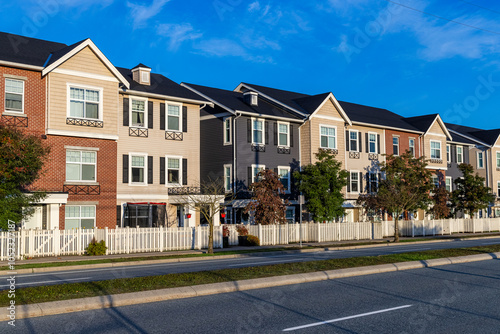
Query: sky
x=413, y=57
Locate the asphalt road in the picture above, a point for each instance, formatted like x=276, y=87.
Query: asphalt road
x=99, y=274
x=460, y=298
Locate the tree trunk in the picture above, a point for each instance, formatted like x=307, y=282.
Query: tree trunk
x=210, y=238
x=396, y=229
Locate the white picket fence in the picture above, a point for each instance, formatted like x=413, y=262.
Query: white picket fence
x=38, y=243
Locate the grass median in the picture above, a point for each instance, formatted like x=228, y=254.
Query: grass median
x=42, y=294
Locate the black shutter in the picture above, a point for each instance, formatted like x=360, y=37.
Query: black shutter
x=367, y=147
x=249, y=177
x=267, y=131
x=275, y=130
x=453, y=152
x=184, y=172
x=249, y=130
x=378, y=144
x=360, y=178
x=119, y=215
x=368, y=183
x=162, y=116
x=349, y=182
x=125, y=168
x=184, y=119
x=150, y=170
x=125, y=111
x=360, y=141
x=162, y=170
x=291, y=135
x=276, y=171
x=150, y=114
x=347, y=140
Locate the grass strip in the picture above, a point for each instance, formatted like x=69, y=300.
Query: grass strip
x=48, y=293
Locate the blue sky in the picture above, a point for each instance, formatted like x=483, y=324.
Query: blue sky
x=407, y=57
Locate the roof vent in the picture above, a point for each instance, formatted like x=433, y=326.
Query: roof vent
x=142, y=74
x=251, y=98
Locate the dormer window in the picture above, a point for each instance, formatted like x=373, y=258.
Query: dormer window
x=141, y=74
x=251, y=98
x=145, y=76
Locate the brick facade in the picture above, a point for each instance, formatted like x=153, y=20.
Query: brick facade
x=404, y=141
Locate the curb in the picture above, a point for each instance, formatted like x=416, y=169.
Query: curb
x=232, y=256
x=134, y=298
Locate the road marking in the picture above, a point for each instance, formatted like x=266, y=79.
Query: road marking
x=264, y=262
x=59, y=280
x=409, y=250
x=345, y=318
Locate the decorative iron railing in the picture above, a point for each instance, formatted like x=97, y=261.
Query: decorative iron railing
x=173, y=135
x=258, y=148
x=372, y=156
x=283, y=150
x=77, y=189
x=354, y=155
x=84, y=122
x=20, y=121
x=137, y=132
x=184, y=190
x=436, y=161
x=330, y=150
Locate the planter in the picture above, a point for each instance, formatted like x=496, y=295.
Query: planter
x=242, y=240
x=225, y=242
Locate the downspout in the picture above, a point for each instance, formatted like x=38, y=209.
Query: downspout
x=310, y=140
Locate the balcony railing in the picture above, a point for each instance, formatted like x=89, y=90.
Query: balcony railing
x=330, y=150
x=436, y=161
x=354, y=155
x=84, y=122
x=20, y=121
x=173, y=135
x=184, y=190
x=283, y=150
x=372, y=156
x=137, y=132
x=77, y=189
x=258, y=148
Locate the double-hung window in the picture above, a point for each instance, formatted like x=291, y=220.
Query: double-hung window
x=258, y=131
x=228, y=178
x=80, y=166
x=79, y=216
x=435, y=149
x=411, y=146
x=448, y=154
x=328, y=137
x=174, y=117
x=138, y=168
x=448, y=183
x=283, y=134
x=84, y=103
x=227, y=131
x=284, y=175
x=353, y=141
x=480, y=160
x=354, y=182
x=435, y=181
x=498, y=159
x=460, y=154
x=372, y=143
x=373, y=182
x=14, y=95
x=256, y=169
x=395, y=145
x=174, y=171
x=138, y=113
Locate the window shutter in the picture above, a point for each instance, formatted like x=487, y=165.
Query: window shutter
x=360, y=178
x=184, y=172
x=360, y=141
x=367, y=147
x=347, y=140
x=150, y=114
x=119, y=215
x=275, y=130
x=266, y=123
x=368, y=183
x=453, y=153
x=162, y=116
x=249, y=177
x=184, y=119
x=378, y=144
x=125, y=168
x=291, y=135
x=162, y=170
x=349, y=182
x=125, y=111
x=150, y=170
x=276, y=171
x=249, y=130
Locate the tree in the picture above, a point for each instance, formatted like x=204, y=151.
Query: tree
x=22, y=157
x=440, y=198
x=471, y=194
x=405, y=188
x=208, y=203
x=322, y=183
x=267, y=204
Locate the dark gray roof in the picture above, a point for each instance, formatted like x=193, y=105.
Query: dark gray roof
x=423, y=123
x=311, y=103
x=487, y=136
x=235, y=101
x=460, y=138
x=161, y=85
x=55, y=56
x=26, y=50
x=140, y=65
x=468, y=131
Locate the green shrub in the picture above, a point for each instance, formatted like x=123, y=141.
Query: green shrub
x=252, y=240
x=96, y=248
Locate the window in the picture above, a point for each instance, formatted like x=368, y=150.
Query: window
x=395, y=145
x=435, y=181
x=498, y=159
x=460, y=154
x=227, y=131
x=80, y=166
x=138, y=169
x=284, y=174
x=480, y=160
x=290, y=214
x=228, y=178
x=435, y=149
x=174, y=117
x=448, y=157
x=498, y=189
x=411, y=146
x=138, y=113
x=258, y=131
x=84, y=103
x=448, y=183
x=173, y=170
x=283, y=137
x=14, y=95
x=372, y=182
x=256, y=169
x=79, y=216
x=354, y=182
x=372, y=143
x=145, y=76
x=353, y=141
x=328, y=137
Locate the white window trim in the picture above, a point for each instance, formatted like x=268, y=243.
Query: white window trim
x=497, y=158
x=461, y=155
x=376, y=142
x=289, y=177
x=180, y=171
x=440, y=149
x=253, y=170
x=477, y=163
x=68, y=98
x=145, y=75
x=82, y=150
x=230, y=141
x=253, y=119
x=167, y=103
x=145, y=111
x=230, y=166
x=331, y=127
x=448, y=153
x=357, y=141
x=451, y=183
x=290, y=208
x=23, y=96
x=137, y=154
x=436, y=184
x=398, y=145
x=498, y=188
x=409, y=146
x=359, y=181
x=287, y=134
x=80, y=217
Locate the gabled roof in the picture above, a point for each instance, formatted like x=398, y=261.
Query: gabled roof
x=140, y=65
x=234, y=102
x=26, y=50
x=56, y=56
x=161, y=85
x=425, y=122
x=490, y=137
x=465, y=132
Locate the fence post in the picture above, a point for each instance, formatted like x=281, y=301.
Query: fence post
x=128, y=240
x=260, y=233
x=160, y=241
x=106, y=240
x=319, y=232
x=56, y=241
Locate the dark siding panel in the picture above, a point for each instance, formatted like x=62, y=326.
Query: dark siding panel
x=360, y=142
x=367, y=147
x=162, y=170
x=150, y=114
x=378, y=144
x=360, y=178
x=184, y=172
x=347, y=140
x=118, y=215
x=150, y=170
x=184, y=119
x=125, y=168
x=249, y=130
x=249, y=177
x=349, y=182
x=266, y=129
x=291, y=135
x=275, y=131
x=125, y=111
x=162, y=116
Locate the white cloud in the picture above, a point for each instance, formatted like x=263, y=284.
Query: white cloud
x=254, y=6
x=223, y=47
x=141, y=14
x=178, y=33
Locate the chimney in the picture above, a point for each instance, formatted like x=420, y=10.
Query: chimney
x=142, y=74
x=251, y=98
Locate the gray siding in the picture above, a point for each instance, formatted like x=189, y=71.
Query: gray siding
x=453, y=170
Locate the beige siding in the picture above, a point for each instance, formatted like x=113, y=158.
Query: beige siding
x=86, y=61
x=427, y=151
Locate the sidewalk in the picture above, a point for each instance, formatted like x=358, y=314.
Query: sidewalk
x=71, y=258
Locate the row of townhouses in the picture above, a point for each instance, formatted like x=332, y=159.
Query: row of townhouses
x=128, y=144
